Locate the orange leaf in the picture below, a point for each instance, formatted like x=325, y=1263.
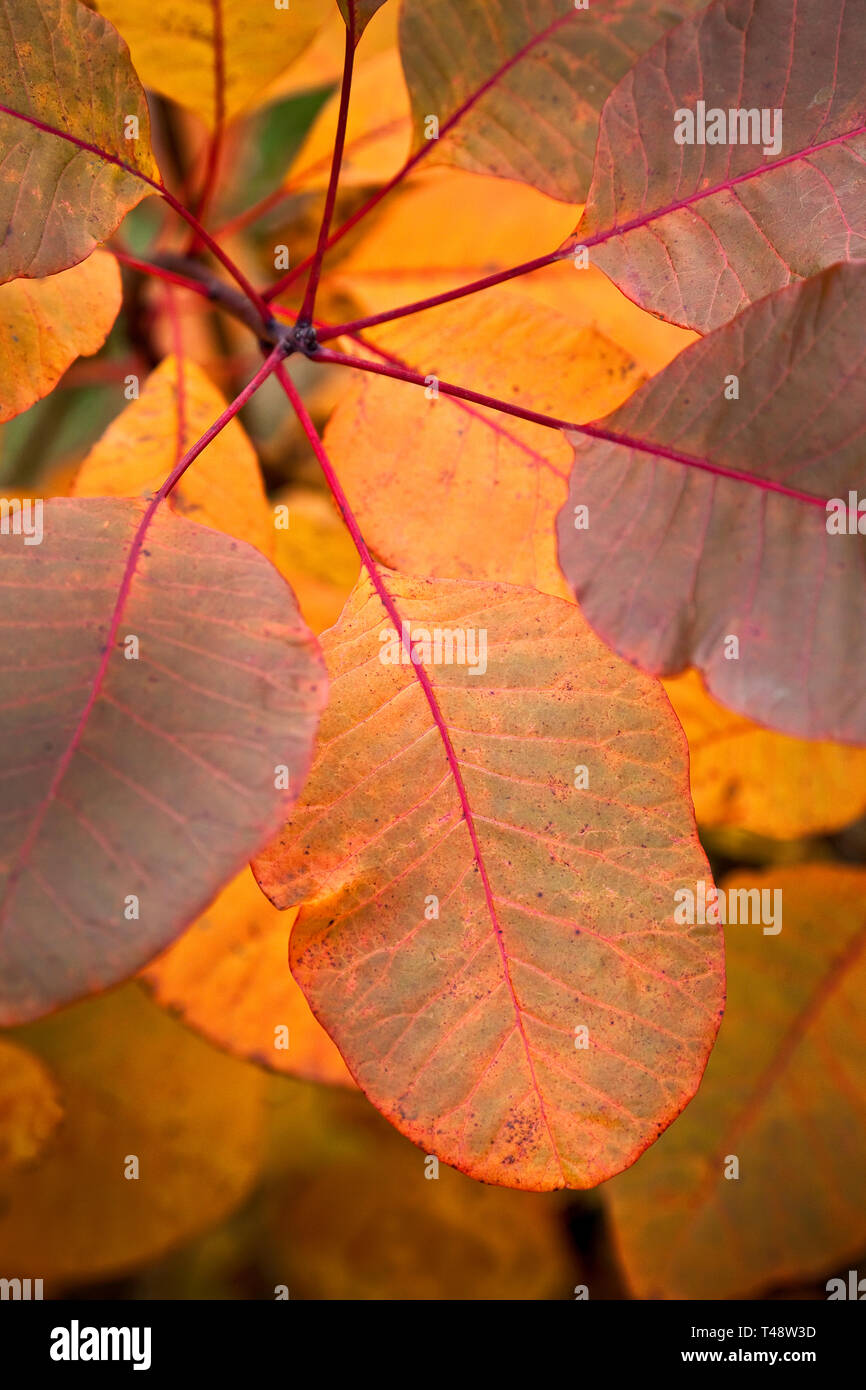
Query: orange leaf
x=377, y=133
x=45, y=324
x=29, y=1108
x=438, y=234
x=139, y=449
x=228, y=976
x=454, y=936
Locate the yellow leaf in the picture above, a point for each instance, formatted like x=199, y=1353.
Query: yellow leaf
x=322, y=62
x=228, y=976
x=45, y=324
x=770, y=784
x=134, y=1085
x=223, y=489
x=174, y=46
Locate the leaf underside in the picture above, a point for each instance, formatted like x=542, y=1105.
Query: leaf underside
x=708, y=228
x=129, y=797
x=675, y=561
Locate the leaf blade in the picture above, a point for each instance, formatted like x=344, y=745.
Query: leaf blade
x=524, y=100
x=655, y=595
x=64, y=69
x=92, y=738
x=364, y=880
x=697, y=232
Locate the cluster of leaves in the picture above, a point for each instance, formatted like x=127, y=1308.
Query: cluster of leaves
x=477, y=865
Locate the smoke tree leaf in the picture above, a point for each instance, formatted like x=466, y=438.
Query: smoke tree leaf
x=453, y=954
x=782, y=1094
x=760, y=781
x=474, y=461
x=138, y=786
x=697, y=231
x=29, y=1107
x=223, y=489
x=45, y=324
x=522, y=84
x=680, y=566
x=63, y=68
x=214, y=59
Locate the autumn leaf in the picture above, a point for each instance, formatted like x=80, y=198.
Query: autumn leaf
x=321, y=63
x=468, y=462
x=763, y=782
x=29, y=1108
x=136, y=787
x=228, y=976
x=315, y=555
x=213, y=59
x=517, y=89
x=695, y=228
x=65, y=71
x=139, y=449
x=135, y=1086
x=45, y=324
x=723, y=465
x=782, y=1096
x=467, y=914
x=437, y=234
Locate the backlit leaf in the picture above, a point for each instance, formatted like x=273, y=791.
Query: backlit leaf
x=134, y=788
x=45, y=324
x=377, y=132
x=439, y=234
x=62, y=68
x=212, y=58
x=683, y=566
x=498, y=480
x=453, y=961
x=697, y=231
x=783, y=1094
x=224, y=487
x=522, y=83
x=134, y=1085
